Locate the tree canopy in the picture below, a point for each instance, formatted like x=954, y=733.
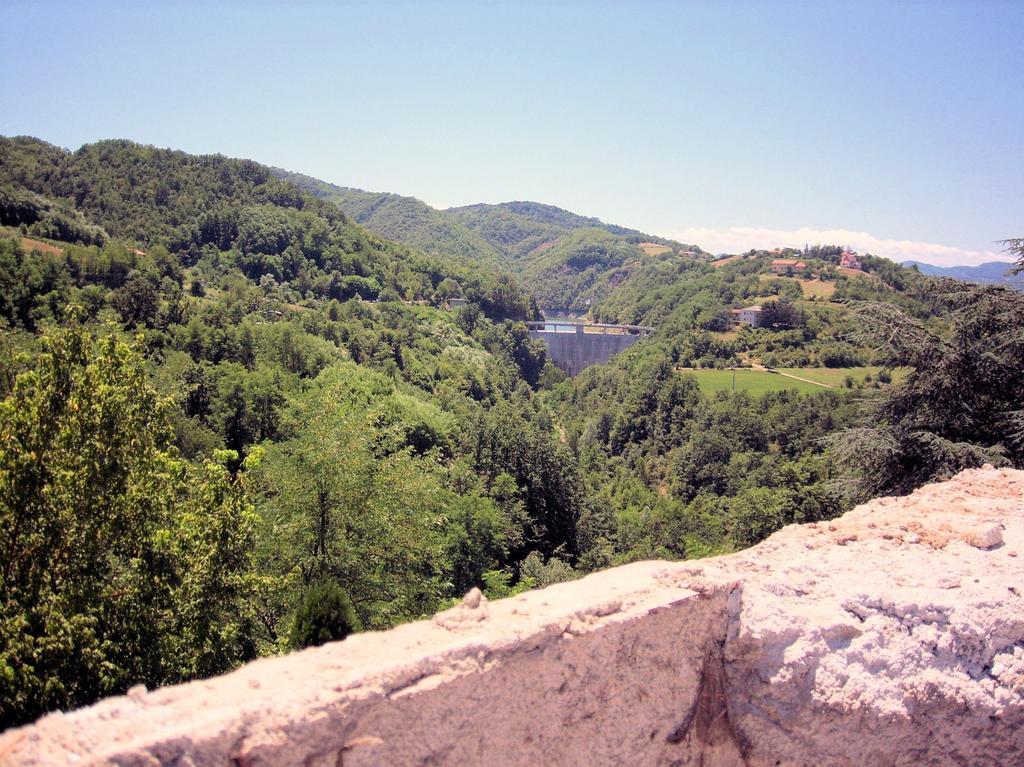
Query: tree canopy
x=960, y=406
x=122, y=563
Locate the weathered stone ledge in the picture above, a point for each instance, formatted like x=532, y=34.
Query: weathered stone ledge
x=892, y=636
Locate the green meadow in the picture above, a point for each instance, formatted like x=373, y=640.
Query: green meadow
x=752, y=381
x=761, y=381
x=836, y=376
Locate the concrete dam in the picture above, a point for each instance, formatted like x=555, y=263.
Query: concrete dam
x=574, y=346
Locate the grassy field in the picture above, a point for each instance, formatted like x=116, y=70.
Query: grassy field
x=724, y=261
x=761, y=381
x=654, y=248
x=829, y=306
x=726, y=335
x=809, y=288
x=752, y=381
x=819, y=288
x=28, y=244
x=836, y=376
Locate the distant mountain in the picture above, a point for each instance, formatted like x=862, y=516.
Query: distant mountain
x=566, y=260
x=993, y=272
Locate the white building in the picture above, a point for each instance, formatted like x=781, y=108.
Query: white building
x=750, y=315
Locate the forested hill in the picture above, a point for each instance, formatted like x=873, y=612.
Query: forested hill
x=402, y=219
x=519, y=228
x=269, y=228
x=567, y=261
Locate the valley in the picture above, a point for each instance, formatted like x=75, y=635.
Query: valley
x=246, y=411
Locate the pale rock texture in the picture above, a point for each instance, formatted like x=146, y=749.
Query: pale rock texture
x=891, y=636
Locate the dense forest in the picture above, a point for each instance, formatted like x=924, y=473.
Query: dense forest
x=566, y=261
x=235, y=422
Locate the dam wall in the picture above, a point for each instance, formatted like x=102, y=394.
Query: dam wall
x=575, y=346
x=893, y=635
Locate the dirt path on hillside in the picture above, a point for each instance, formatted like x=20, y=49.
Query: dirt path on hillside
x=759, y=366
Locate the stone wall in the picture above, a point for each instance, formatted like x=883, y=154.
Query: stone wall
x=892, y=636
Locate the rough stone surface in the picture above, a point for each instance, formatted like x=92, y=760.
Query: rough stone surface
x=892, y=636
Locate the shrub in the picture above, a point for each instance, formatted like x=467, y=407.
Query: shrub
x=325, y=615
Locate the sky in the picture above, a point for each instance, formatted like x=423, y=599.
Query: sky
x=895, y=128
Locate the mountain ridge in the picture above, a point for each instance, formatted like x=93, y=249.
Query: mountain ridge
x=988, y=273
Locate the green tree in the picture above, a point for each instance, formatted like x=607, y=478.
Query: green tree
x=781, y=314
x=245, y=407
x=513, y=441
x=1015, y=246
x=138, y=301
x=346, y=498
x=959, y=406
x=474, y=541
x=121, y=563
x=325, y=615
x=755, y=513
x=447, y=288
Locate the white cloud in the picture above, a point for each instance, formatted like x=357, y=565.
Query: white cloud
x=741, y=238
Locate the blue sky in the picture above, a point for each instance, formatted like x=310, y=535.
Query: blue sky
x=894, y=127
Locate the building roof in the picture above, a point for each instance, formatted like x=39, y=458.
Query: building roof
x=754, y=308
x=787, y=262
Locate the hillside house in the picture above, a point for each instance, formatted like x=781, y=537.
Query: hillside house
x=455, y=303
x=849, y=261
x=786, y=265
x=750, y=316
